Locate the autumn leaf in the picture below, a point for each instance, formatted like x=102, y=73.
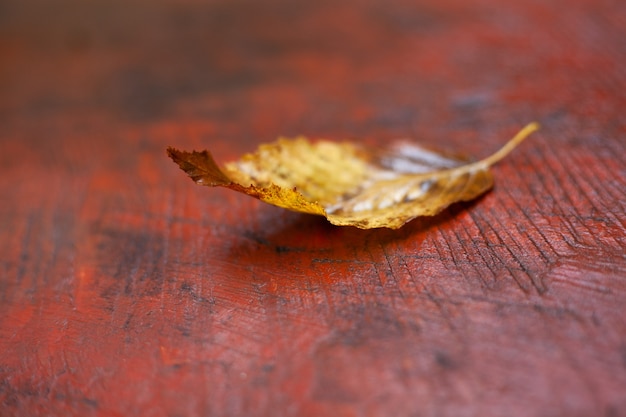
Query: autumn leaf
x=348, y=184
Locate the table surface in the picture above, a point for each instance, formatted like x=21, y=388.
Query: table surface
x=127, y=290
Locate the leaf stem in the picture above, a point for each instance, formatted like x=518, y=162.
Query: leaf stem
x=511, y=144
x=488, y=161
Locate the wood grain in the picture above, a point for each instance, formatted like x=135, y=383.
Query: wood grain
x=125, y=290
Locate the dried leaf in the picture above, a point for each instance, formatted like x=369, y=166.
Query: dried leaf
x=347, y=184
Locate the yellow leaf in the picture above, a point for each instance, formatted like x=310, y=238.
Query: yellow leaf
x=347, y=184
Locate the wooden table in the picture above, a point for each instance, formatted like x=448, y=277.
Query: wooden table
x=126, y=290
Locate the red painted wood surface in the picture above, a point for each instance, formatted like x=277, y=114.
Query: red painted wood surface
x=126, y=290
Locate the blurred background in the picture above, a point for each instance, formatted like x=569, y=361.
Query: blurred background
x=357, y=68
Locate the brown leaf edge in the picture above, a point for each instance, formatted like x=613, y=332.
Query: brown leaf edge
x=202, y=169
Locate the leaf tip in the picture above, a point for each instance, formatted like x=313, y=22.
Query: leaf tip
x=200, y=167
x=175, y=154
